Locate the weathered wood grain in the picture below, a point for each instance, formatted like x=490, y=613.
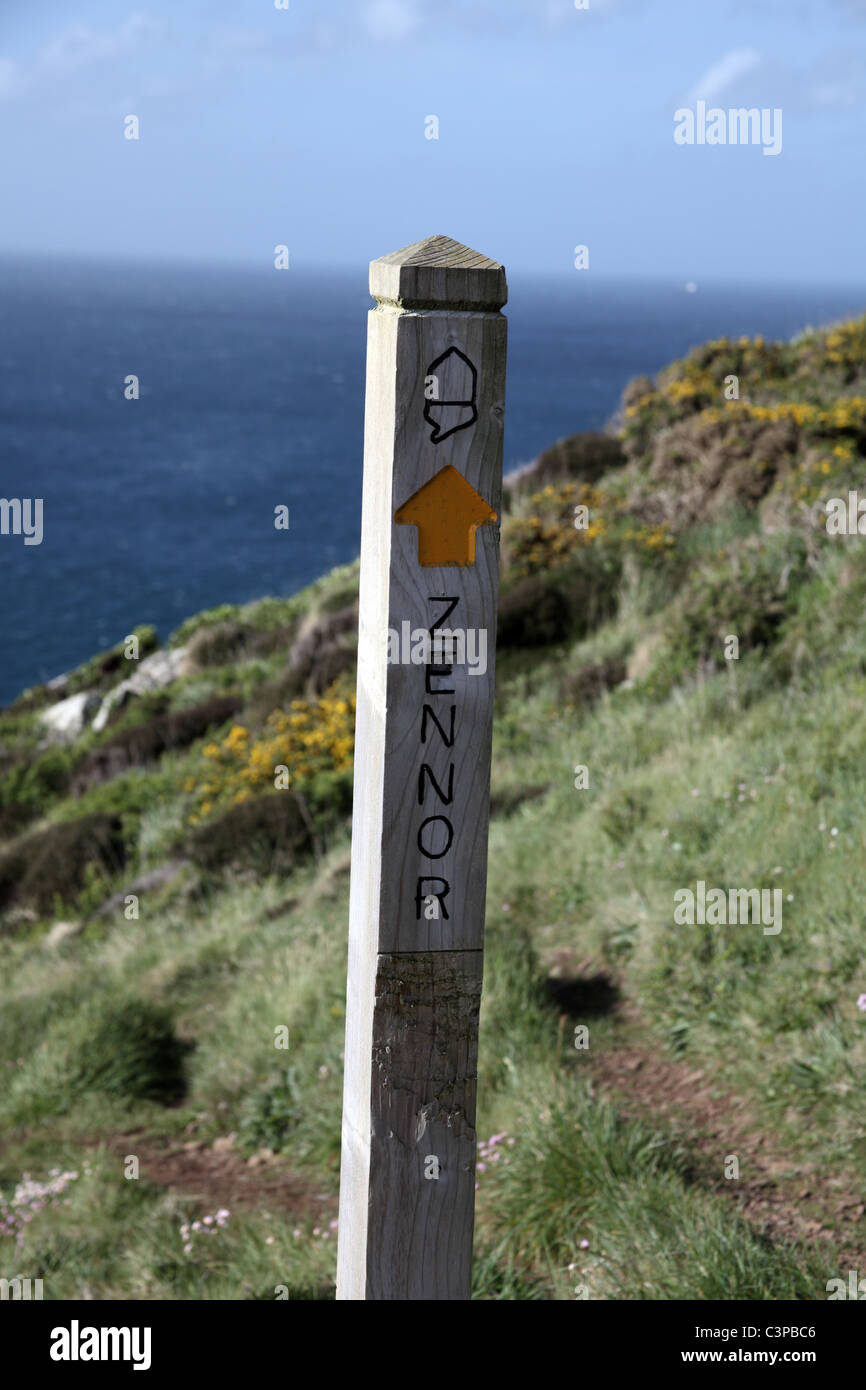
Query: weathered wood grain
x=422, y=782
x=477, y=454
x=438, y=273
x=425, y=1054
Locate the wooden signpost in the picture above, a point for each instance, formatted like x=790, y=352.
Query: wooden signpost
x=429, y=568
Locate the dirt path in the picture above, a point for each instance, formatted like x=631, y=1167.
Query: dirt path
x=215, y=1175
x=785, y=1198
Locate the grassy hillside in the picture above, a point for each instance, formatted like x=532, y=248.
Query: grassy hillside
x=164, y=907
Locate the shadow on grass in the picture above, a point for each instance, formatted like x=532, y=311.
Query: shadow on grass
x=582, y=998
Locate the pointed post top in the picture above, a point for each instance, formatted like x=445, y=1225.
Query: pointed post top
x=438, y=273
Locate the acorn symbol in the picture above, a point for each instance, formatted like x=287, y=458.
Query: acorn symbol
x=450, y=390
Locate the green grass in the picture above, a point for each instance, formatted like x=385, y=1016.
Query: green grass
x=744, y=774
x=605, y=1205
x=591, y=870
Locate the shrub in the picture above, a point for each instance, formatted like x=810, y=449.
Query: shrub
x=547, y=536
x=128, y=795
x=52, y=864
x=219, y=644
x=506, y=801
x=234, y=640
x=583, y=457
x=106, y=669
x=130, y=1051
x=839, y=351
x=532, y=613
x=267, y=834
x=143, y=743
x=747, y=591
x=824, y=631
x=542, y=609
x=697, y=382
x=310, y=738
x=225, y=612
x=325, y=650
x=587, y=685
x=28, y=787
x=715, y=461
x=332, y=661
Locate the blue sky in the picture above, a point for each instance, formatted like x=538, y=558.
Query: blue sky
x=307, y=127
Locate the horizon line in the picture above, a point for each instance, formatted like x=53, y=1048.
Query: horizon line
x=180, y=261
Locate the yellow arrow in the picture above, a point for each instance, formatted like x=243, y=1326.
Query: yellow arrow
x=447, y=511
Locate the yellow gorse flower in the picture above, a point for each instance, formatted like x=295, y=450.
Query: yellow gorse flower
x=309, y=738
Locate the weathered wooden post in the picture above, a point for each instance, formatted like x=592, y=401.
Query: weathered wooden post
x=429, y=567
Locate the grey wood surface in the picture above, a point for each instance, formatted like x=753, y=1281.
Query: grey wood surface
x=425, y=1055
x=422, y=783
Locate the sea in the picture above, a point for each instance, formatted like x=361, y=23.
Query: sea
x=251, y=392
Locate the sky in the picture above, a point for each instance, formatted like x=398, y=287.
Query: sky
x=307, y=127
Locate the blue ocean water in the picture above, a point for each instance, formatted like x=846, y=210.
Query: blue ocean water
x=252, y=388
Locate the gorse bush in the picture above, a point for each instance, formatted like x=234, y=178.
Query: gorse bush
x=584, y=457
x=266, y=835
x=603, y=1174
x=311, y=737
x=548, y=536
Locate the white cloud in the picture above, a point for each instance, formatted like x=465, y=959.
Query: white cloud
x=724, y=73
x=78, y=44
x=390, y=20
x=72, y=49
x=833, y=82
x=556, y=11
x=240, y=40
x=837, y=82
